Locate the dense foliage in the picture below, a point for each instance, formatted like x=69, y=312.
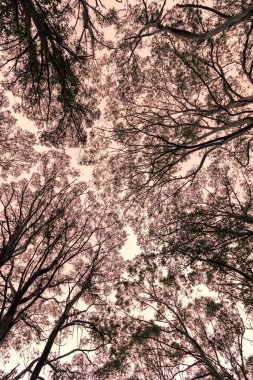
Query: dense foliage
x=116, y=116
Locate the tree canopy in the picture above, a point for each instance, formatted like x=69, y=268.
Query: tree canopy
x=117, y=116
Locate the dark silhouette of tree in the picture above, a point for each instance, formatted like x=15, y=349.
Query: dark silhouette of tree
x=47, y=53
x=208, y=230
x=183, y=87
x=201, y=338
x=57, y=268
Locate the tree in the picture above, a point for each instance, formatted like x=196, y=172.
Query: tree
x=47, y=53
x=57, y=268
x=207, y=230
x=181, y=98
x=174, y=337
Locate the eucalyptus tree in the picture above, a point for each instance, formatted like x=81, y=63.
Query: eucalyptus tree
x=183, y=85
x=47, y=53
x=172, y=332
x=59, y=259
